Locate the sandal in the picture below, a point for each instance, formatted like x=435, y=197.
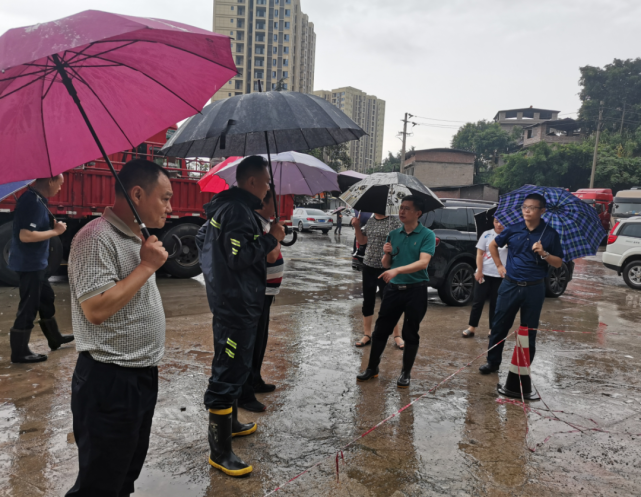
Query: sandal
x=361, y=344
x=468, y=334
x=400, y=347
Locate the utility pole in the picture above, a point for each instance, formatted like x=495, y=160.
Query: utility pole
x=407, y=116
x=622, y=116
x=596, y=143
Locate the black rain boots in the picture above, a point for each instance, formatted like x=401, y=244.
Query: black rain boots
x=221, y=455
x=239, y=429
x=409, y=354
x=20, y=352
x=54, y=338
x=374, y=360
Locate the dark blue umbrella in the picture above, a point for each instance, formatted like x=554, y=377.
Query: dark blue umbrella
x=577, y=223
x=9, y=188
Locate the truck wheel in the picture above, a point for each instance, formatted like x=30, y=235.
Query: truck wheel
x=187, y=264
x=632, y=275
x=557, y=281
x=458, y=285
x=9, y=277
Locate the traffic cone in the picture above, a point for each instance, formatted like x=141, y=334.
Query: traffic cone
x=519, y=375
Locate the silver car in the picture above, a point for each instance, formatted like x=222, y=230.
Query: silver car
x=311, y=219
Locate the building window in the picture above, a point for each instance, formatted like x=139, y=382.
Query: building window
x=260, y=24
x=285, y=74
x=287, y=12
x=275, y=37
x=273, y=62
x=273, y=86
x=286, y=37
x=286, y=25
x=239, y=60
x=259, y=74
x=273, y=74
x=285, y=62
x=240, y=47
x=276, y=2
x=241, y=11
x=240, y=23
x=229, y=94
x=285, y=49
x=284, y=86
x=275, y=12
x=275, y=25
x=260, y=50
x=240, y=36
x=260, y=37
x=287, y=1
x=239, y=84
x=529, y=133
x=232, y=21
x=261, y=2
x=275, y=50
x=232, y=7
x=260, y=12
x=259, y=62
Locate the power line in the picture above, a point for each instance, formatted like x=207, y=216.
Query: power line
x=445, y=120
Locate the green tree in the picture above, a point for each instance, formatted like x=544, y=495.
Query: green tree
x=487, y=140
x=618, y=85
x=335, y=156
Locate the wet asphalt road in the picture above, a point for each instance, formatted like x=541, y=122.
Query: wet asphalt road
x=458, y=441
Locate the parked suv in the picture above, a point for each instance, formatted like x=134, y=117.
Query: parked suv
x=623, y=253
x=452, y=268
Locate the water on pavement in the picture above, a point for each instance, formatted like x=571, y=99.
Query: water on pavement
x=457, y=441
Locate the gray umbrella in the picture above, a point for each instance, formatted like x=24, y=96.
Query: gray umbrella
x=262, y=123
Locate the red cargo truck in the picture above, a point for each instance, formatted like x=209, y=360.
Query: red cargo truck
x=599, y=198
x=89, y=188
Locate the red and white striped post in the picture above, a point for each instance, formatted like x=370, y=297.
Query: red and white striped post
x=519, y=384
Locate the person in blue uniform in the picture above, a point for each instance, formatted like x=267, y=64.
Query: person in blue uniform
x=533, y=246
x=33, y=227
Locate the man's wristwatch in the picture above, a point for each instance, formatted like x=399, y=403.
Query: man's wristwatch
x=545, y=256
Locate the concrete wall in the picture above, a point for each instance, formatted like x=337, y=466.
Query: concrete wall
x=473, y=192
x=434, y=174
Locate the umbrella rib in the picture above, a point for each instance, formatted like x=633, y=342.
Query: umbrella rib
x=27, y=84
x=182, y=50
x=42, y=121
x=88, y=56
x=50, y=84
x=81, y=79
x=23, y=75
x=153, y=79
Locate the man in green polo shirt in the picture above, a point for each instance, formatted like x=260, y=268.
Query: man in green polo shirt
x=407, y=254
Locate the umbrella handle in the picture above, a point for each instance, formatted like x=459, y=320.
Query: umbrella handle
x=292, y=241
x=74, y=95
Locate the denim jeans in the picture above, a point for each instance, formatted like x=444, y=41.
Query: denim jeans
x=512, y=298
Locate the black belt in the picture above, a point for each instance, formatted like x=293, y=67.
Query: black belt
x=524, y=283
x=408, y=287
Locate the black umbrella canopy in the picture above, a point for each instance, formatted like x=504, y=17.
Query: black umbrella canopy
x=291, y=121
x=383, y=193
x=484, y=221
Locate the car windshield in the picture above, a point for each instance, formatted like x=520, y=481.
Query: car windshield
x=315, y=212
x=627, y=208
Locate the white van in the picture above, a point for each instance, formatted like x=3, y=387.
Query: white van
x=623, y=253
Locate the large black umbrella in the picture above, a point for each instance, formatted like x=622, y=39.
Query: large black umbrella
x=383, y=193
x=262, y=123
x=484, y=221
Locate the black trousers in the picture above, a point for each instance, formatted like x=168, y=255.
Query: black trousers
x=339, y=227
x=489, y=289
x=412, y=302
x=36, y=296
x=371, y=283
x=232, y=363
x=112, y=411
x=528, y=300
x=260, y=345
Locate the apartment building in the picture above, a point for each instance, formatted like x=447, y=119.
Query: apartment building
x=273, y=43
x=369, y=113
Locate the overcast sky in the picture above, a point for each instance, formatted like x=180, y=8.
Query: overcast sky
x=456, y=60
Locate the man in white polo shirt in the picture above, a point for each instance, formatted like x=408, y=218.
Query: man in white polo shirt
x=119, y=325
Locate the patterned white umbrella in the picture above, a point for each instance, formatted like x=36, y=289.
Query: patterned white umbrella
x=383, y=193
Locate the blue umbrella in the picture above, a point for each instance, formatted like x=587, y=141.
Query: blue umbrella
x=9, y=188
x=576, y=222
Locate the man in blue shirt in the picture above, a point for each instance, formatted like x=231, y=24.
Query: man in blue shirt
x=407, y=254
x=533, y=246
x=33, y=227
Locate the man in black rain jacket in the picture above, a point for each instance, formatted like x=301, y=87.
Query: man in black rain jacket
x=233, y=253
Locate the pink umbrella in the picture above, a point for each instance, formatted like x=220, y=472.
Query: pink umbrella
x=96, y=83
x=211, y=182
